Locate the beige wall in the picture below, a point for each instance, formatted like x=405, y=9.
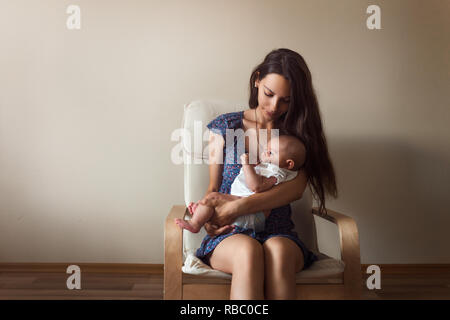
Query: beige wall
x=86, y=117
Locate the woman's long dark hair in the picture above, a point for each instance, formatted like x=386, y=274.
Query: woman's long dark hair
x=302, y=118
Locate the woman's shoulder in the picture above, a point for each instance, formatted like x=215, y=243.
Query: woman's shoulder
x=230, y=116
x=229, y=120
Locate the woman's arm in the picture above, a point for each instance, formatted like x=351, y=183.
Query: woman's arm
x=215, y=149
x=215, y=156
x=279, y=195
x=215, y=178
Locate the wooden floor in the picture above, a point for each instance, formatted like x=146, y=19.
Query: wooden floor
x=109, y=286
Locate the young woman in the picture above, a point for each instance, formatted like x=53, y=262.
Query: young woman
x=264, y=264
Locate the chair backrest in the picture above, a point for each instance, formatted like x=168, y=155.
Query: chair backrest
x=197, y=115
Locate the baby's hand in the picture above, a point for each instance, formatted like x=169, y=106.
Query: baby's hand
x=245, y=158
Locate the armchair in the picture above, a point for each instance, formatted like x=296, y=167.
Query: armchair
x=334, y=237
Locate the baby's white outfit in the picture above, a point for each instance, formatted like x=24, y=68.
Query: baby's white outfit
x=256, y=221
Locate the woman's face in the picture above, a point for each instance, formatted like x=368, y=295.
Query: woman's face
x=273, y=96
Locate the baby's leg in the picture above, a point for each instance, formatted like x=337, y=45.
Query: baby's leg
x=202, y=212
x=202, y=215
x=192, y=207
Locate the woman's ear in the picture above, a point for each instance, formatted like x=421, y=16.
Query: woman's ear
x=290, y=164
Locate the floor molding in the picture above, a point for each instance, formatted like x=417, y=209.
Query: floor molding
x=409, y=269
x=131, y=268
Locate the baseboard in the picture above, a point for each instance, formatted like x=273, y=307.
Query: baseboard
x=131, y=268
x=84, y=267
x=409, y=269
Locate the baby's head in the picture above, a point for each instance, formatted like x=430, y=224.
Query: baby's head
x=287, y=152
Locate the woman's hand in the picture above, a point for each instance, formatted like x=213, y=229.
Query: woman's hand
x=225, y=207
x=224, y=214
x=213, y=230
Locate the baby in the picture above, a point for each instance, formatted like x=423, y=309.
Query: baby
x=279, y=163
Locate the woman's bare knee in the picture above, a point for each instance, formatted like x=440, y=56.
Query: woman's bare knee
x=283, y=254
x=283, y=258
x=237, y=253
x=250, y=254
x=243, y=257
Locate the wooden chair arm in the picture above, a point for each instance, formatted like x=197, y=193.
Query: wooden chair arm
x=173, y=254
x=349, y=243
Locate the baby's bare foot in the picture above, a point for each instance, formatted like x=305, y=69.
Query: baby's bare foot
x=186, y=225
x=190, y=208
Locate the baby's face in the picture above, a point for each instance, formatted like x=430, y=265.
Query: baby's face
x=275, y=153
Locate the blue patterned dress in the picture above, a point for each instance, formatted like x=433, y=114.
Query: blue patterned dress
x=278, y=223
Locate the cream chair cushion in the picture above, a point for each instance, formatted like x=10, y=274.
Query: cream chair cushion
x=325, y=270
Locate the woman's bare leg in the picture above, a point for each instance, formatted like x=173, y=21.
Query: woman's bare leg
x=243, y=257
x=283, y=259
